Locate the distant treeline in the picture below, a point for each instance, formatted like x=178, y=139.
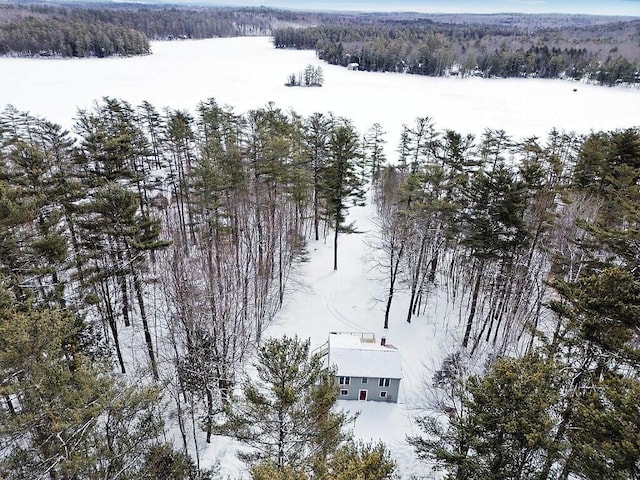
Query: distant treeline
x=600, y=48
x=70, y=38
x=100, y=32
x=160, y=23
x=606, y=53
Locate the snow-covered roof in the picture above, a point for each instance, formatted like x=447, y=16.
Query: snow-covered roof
x=359, y=355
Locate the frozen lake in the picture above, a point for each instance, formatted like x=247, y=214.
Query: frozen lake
x=246, y=73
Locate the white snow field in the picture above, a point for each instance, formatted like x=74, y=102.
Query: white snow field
x=321, y=300
x=247, y=73
x=350, y=300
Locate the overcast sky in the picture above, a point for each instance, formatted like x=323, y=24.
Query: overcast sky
x=594, y=7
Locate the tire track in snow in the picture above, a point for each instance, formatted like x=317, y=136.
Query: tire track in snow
x=329, y=303
x=414, y=380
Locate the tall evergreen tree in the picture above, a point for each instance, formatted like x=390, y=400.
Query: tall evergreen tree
x=117, y=227
x=566, y=410
x=374, y=146
x=342, y=181
x=502, y=424
x=317, y=133
x=494, y=225
x=598, y=318
x=36, y=157
x=65, y=414
x=286, y=413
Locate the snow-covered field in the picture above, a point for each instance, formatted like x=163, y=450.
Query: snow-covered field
x=321, y=300
x=247, y=73
x=350, y=299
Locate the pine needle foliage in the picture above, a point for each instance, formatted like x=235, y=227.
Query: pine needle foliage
x=286, y=412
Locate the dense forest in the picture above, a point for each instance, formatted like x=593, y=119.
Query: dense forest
x=71, y=38
x=606, y=54
x=74, y=31
x=161, y=244
x=169, y=233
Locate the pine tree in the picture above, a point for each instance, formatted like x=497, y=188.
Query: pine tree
x=317, y=132
x=565, y=410
x=318, y=77
x=598, y=318
x=65, y=414
x=614, y=182
x=286, y=412
x=117, y=230
x=361, y=461
x=308, y=76
x=341, y=180
x=493, y=225
x=502, y=426
x=374, y=145
x=351, y=461
x=116, y=238
x=36, y=156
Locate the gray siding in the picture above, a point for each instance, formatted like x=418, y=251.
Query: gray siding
x=372, y=387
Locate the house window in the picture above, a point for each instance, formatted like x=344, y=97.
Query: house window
x=383, y=382
x=383, y=394
x=365, y=379
x=345, y=380
x=344, y=393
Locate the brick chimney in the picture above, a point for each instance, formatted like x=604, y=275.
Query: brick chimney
x=383, y=341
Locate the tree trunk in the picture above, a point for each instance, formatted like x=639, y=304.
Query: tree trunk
x=500, y=314
x=416, y=276
x=209, y=421
x=474, y=304
x=551, y=459
x=145, y=324
x=181, y=391
x=194, y=430
x=433, y=266
x=316, y=213
x=335, y=241
x=111, y=320
x=280, y=267
x=395, y=265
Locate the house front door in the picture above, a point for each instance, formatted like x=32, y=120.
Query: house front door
x=363, y=395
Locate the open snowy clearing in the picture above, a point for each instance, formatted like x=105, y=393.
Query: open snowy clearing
x=321, y=300
x=349, y=299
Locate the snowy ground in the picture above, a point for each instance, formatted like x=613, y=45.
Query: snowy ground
x=349, y=299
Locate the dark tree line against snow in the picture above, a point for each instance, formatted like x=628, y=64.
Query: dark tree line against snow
x=606, y=54
x=105, y=30
x=603, y=49
x=70, y=38
x=142, y=257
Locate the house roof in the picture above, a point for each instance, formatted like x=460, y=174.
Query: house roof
x=359, y=355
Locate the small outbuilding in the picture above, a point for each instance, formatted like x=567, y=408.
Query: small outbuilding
x=365, y=369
